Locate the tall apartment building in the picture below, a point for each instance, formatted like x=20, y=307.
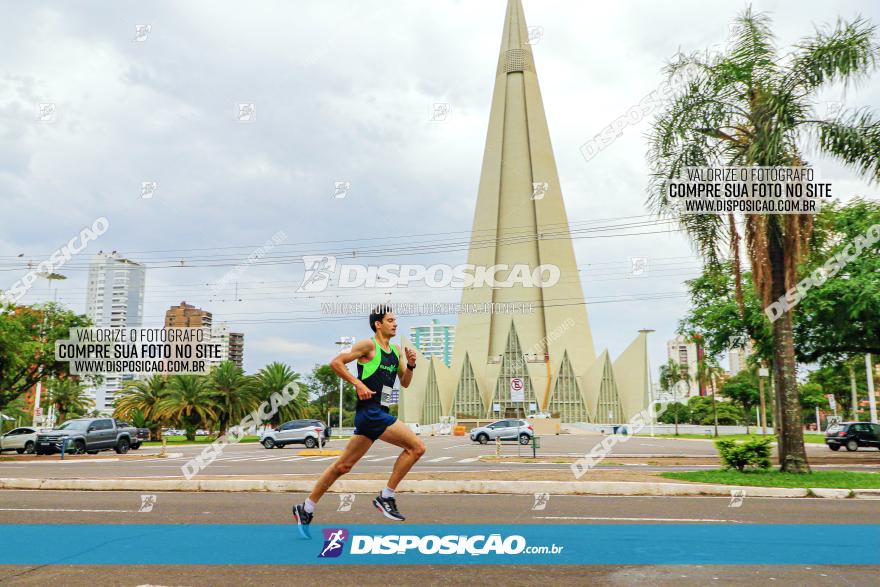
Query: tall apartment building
x=231, y=345
x=187, y=316
x=114, y=298
x=736, y=358
x=684, y=352
x=434, y=340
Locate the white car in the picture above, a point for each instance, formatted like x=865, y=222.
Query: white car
x=21, y=440
x=416, y=428
x=308, y=432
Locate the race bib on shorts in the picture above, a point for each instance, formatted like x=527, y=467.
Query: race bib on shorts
x=390, y=396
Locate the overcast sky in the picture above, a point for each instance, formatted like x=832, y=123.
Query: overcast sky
x=343, y=91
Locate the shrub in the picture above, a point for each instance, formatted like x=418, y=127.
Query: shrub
x=754, y=453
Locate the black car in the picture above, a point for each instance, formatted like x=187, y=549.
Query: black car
x=852, y=435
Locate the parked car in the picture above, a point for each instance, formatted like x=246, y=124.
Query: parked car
x=509, y=429
x=307, y=432
x=21, y=440
x=852, y=435
x=201, y=432
x=87, y=435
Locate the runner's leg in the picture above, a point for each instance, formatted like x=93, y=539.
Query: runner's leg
x=399, y=434
x=357, y=447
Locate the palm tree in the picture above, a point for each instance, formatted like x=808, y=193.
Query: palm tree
x=671, y=375
x=234, y=394
x=190, y=401
x=69, y=398
x=274, y=378
x=753, y=107
x=142, y=396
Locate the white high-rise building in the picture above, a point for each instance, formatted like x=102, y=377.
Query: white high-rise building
x=737, y=358
x=434, y=340
x=231, y=345
x=684, y=352
x=114, y=298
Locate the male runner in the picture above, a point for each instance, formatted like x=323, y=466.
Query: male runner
x=378, y=364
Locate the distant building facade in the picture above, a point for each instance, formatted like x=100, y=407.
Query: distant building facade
x=434, y=340
x=231, y=345
x=115, y=299
x=685, y=353
x=187, y=316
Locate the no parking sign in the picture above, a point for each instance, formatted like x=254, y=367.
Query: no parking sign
x=517, y=390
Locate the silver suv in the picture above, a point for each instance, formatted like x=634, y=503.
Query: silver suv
x=510, y=429
x=307, y=432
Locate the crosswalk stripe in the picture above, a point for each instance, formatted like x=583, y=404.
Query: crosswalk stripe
x=468, y=460
x=291, y=460
x=322, y=459
x=438, y=459
x=377, y=459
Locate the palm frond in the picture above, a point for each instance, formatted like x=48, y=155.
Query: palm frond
x=854, y=139
x=847, y=53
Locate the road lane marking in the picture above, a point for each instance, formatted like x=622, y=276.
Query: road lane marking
x=315, y=460
x=377, y=459
x=65, y=510
x=438, y=459
x=471, y=460
x=601, y=518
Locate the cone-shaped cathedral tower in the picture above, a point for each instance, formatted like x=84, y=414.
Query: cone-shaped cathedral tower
x=520, y=219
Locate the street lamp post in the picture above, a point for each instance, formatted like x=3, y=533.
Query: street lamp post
x=872, y=401
x=344, y=343
x=762, y=373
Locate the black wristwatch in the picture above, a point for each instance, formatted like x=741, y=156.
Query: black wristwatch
x=410, y=367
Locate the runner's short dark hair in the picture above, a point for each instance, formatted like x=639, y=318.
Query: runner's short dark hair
x=378, y=314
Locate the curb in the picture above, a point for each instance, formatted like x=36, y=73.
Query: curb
x=432, y=486
x=830, y=493
x=866, y=493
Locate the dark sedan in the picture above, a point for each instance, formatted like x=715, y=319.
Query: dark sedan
x=852, y=435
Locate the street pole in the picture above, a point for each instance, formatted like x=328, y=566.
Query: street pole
x=872, y=401
x=818, y=424
x=854, y=394
x=345, y=343
x=763, y=372
x=340, y=404
x=37, y=404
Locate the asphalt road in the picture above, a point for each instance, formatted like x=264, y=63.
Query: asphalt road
x=257, y=508
x=444, y=453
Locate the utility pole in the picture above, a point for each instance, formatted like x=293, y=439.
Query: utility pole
x=854, y=393
x=344, y=343
x=872, y=401
x=762, y=373
x=714, y=404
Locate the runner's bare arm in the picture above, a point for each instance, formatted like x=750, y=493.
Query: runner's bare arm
x=359, y=350
x=406, y=374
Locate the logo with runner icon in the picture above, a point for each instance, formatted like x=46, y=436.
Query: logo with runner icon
x=334, y=542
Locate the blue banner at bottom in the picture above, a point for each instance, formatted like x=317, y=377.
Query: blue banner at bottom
x=533, y=544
